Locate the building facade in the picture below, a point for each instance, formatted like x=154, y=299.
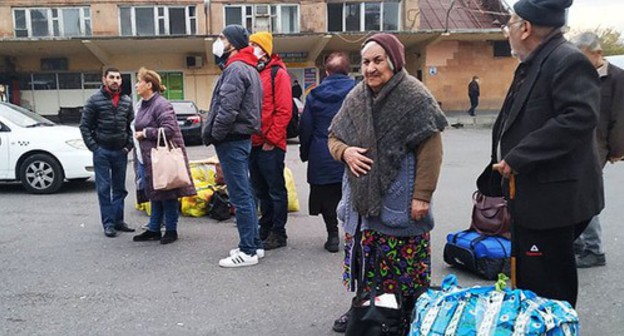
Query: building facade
x=52, y=52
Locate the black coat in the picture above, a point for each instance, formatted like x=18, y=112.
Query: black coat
x=548, y=139
x=103, y=124
x=473, y=89
x=610, y=131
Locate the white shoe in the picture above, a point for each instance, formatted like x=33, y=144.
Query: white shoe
x=259, y=252
x=239, y=259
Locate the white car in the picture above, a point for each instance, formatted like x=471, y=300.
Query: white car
x=39, y=153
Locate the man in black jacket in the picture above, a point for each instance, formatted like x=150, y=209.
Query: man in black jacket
x=105, y=128
x=474, y=92
x=609, y=135
x=544, y=148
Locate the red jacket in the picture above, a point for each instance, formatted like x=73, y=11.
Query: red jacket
x=276, y=113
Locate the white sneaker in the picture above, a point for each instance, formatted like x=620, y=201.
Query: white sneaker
x=259, y=252
x=239, y=259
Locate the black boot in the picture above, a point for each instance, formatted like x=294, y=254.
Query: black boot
x=333, y=242
x=274, y=241
x=147, y=235
x=169, y=237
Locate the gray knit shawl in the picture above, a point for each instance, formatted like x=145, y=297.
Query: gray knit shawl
x=391, y=124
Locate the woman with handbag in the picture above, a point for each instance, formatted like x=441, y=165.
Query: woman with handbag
x=154, y=119
x=388, y=133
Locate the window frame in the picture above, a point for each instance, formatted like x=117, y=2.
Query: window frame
x=273, y=16
x=51, y=20
x=190, y=22
x=362, y=12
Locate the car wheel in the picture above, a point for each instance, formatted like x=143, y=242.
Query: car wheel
x=41, y=174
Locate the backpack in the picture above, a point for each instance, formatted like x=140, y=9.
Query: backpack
x=292, y=130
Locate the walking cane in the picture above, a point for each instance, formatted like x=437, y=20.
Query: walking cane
x=512, y=195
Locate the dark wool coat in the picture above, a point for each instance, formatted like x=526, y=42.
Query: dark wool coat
x=153, y=114
x=321, y=106
x=610, y=131
x=547, y=137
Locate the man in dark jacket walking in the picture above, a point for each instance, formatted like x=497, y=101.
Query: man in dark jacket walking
x=269, y=147
x=543, y=146
x=324, y=173
x=609, y=136
x=474, y=92
x=234, y=116
x=105, y=128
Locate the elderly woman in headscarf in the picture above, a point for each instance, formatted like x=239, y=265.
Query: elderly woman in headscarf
x=388, y=133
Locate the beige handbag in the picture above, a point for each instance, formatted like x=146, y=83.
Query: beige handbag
x=168, y=165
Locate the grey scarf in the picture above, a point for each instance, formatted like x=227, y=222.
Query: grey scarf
x=402, y=115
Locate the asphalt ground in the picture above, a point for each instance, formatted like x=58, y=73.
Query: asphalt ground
x=59, y=275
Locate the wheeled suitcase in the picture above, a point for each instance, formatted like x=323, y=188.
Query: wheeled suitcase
x=486, y=256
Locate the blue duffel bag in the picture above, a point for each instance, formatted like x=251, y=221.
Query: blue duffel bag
x=488, y=311
x=486, y=256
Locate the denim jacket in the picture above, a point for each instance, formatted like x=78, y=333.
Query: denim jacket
x=395, y=217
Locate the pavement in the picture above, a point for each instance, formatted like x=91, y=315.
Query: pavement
x=59, y=275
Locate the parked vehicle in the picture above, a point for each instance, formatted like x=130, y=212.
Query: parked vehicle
x=190, y=119
x=39, y=153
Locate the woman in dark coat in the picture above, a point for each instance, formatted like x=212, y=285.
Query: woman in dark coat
x=324, y=173
x=156, y=112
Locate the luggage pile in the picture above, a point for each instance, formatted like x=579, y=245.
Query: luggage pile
x=212, y=198
x=485, y=248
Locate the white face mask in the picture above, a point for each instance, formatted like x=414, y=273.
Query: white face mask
x=218, y=48
x=258, y=52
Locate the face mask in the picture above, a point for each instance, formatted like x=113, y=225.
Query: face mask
x=218, y=48
x=258, y=52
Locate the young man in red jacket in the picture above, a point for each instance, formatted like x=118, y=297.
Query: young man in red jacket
x=266, y=164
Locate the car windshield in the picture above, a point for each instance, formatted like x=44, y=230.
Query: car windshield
x=184, y=107
x=22, y=117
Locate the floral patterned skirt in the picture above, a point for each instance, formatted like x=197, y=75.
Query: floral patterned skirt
x=404, y=262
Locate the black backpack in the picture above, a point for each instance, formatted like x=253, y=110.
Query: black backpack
x=292, y=130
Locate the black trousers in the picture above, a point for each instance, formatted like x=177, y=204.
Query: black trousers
x=545, y=262
x=474, y=102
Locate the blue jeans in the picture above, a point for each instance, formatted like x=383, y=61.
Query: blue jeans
x=234, y=159
x=267, y=176
x=591, y=239
x=110, y=181
x=167, y=209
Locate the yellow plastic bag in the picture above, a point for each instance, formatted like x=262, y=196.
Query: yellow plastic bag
x=146, y=206
x=293, y=199
x=197, y=206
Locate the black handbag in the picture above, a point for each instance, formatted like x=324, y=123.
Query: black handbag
x=219, y=206
x=373, y=320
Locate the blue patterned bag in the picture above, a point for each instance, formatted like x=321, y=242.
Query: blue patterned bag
x=486, y=311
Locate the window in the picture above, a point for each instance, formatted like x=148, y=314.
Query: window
x=159, y=20
x=278, y=19
x=363, y=16
x=70, y=81
x=52, y=22
x=174, y=82
x=65, y=80
x=92, y=80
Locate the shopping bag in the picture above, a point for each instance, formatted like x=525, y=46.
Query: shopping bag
x=293, y=199
x=168, y=165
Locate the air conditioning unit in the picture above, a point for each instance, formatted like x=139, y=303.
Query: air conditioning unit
x=194, y=62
